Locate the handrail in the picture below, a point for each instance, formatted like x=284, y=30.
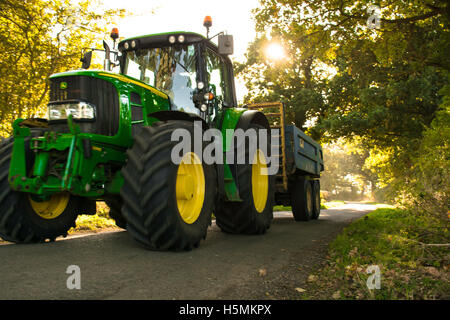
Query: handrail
x=280, y=106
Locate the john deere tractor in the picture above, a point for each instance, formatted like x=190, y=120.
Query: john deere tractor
x=108, y=137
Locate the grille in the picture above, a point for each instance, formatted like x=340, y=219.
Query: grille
x=99, y=92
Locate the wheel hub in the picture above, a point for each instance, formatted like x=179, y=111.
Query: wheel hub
x=185, y=187
x=190, y=187
x=260, y=181
x=52, y=208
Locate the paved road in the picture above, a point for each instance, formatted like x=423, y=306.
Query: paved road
x=113, y=266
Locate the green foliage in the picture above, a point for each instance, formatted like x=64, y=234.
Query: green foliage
x=430, y=189
x=381, y=87
x=345, y=176
x=39, y=38
x=98, y=222
x=282, y=208
x=401, y=243
x=418, y=177
x=323, y=205
x=93, y=223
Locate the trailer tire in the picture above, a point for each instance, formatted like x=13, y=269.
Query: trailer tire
x=167, y=206
x=252, y=215
x=21, y=221
x=302, y=200
x=316, y=199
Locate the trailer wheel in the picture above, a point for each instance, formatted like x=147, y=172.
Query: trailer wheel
x=302, y=200
x=167, y=206
x=316, y=199
x=26, y=219
x=255, y=213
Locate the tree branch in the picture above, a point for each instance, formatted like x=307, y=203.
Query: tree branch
x=424, y=16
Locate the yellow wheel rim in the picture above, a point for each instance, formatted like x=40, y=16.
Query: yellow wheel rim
x=260, y=181
x=190, y=187
x=52, y=208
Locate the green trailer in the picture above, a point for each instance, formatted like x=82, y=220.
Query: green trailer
x=297, y=181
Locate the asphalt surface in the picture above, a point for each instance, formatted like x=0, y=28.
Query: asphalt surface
x=113, y=266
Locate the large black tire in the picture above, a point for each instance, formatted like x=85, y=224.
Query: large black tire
x=302, y=199
x=150, y=203
x=243, y=217
x=19, y=222
x=115, y=211
x=316, y=199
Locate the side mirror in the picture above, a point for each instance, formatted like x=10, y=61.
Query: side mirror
x=86, y=60
x=225, y=44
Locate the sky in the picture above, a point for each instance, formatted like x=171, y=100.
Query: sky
x=154, y=16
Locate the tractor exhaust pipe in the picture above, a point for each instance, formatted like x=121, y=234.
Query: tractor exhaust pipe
x=107, y=62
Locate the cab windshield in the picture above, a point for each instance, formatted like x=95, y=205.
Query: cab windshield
x=170, y=69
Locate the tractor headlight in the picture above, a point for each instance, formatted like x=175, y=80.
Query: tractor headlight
x=78, y=109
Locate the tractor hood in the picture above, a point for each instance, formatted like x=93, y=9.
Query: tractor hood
x=118, y=79
x=108, y=94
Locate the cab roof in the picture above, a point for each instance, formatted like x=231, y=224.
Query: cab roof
x=161, y=39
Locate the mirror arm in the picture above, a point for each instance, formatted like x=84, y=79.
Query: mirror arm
x=209, y=39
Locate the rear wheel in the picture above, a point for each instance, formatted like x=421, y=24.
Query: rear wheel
x=25, y=218
x=256, y=188
x=302, y=200
x=167, y=206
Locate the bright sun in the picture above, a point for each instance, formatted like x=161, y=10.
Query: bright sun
x=275, y=51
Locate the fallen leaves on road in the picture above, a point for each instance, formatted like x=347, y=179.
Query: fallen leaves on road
x=312, y=278
x=336, y=295
x=262, y=272
x=353, y=252
x=433, y=271
x=300, y=290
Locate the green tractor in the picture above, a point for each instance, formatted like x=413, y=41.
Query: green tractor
x=108, y=137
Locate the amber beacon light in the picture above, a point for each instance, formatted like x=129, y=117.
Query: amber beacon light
x=207, y=23
x=114, y=33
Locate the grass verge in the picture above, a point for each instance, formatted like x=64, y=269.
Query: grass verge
x=325, y=205
x=410, y=250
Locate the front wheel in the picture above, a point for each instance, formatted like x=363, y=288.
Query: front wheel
x=24, y=218
x=167, y=203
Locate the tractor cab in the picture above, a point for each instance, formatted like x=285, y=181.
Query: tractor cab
x=194, y=73
x=186, y=66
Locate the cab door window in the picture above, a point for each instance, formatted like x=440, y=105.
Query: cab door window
x=217, y=77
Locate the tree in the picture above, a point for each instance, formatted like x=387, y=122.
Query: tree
x=344, y=78
x=39, y=38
